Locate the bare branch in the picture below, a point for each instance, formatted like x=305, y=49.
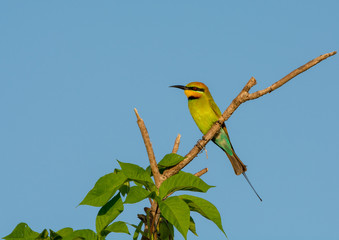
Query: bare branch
x=176, y=144
x=242, y=97
x=201, y=172
x=149, y=149
x=290, y=76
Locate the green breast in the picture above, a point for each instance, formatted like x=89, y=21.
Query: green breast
x=202, y=113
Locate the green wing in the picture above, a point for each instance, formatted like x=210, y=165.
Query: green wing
x=217, y=111
x=215, y=107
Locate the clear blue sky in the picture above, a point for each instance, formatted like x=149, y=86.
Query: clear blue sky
x=71, y=73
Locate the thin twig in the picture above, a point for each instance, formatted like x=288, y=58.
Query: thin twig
x=242, y=97
x=201, y=172
x=149, y=149
x=290, y=76
x=176, y=144
x=206, y=152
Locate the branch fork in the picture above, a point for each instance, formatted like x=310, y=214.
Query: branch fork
x=242, y=97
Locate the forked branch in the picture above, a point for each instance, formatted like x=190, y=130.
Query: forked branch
x=242, y=97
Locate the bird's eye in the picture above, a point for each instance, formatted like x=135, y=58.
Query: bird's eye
x=195, y=88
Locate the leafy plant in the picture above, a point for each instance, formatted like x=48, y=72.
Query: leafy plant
x=136, y=184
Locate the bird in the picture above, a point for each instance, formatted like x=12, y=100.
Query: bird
x=205, y=113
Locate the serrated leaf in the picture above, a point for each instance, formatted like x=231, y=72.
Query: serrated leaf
x=83, y=234
x=104, y=189
x=136, y=194
x=22, y=232
x=182, y=181
x=176, y=211
x=137, y=174
x=118, y=227
x=192, y=227
x=170, y=160
x=108, y=213
x=205, y=208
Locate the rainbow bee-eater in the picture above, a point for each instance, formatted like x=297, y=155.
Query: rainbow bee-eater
x=205, y=113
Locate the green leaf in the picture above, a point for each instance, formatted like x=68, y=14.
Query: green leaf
x=108, y=213
x=170, y=160
x=43, y=235
x=119, y=227
x=192, y=227
x=205, y=208
x=136, y=194
x=54, y=235
x=22, y=232
x=124, y=189
x=62, y=233
x=149, y=170
x=104, y=189
x=65, y=231
x=182, y=181
x=166, y=230
x=137, y=230
x=137, y=174
x=176, y=211
x=83, y=234
x=138, y=184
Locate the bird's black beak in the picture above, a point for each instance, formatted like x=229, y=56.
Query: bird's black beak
x=180, y=87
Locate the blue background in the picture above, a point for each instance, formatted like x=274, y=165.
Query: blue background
x=71, y=73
